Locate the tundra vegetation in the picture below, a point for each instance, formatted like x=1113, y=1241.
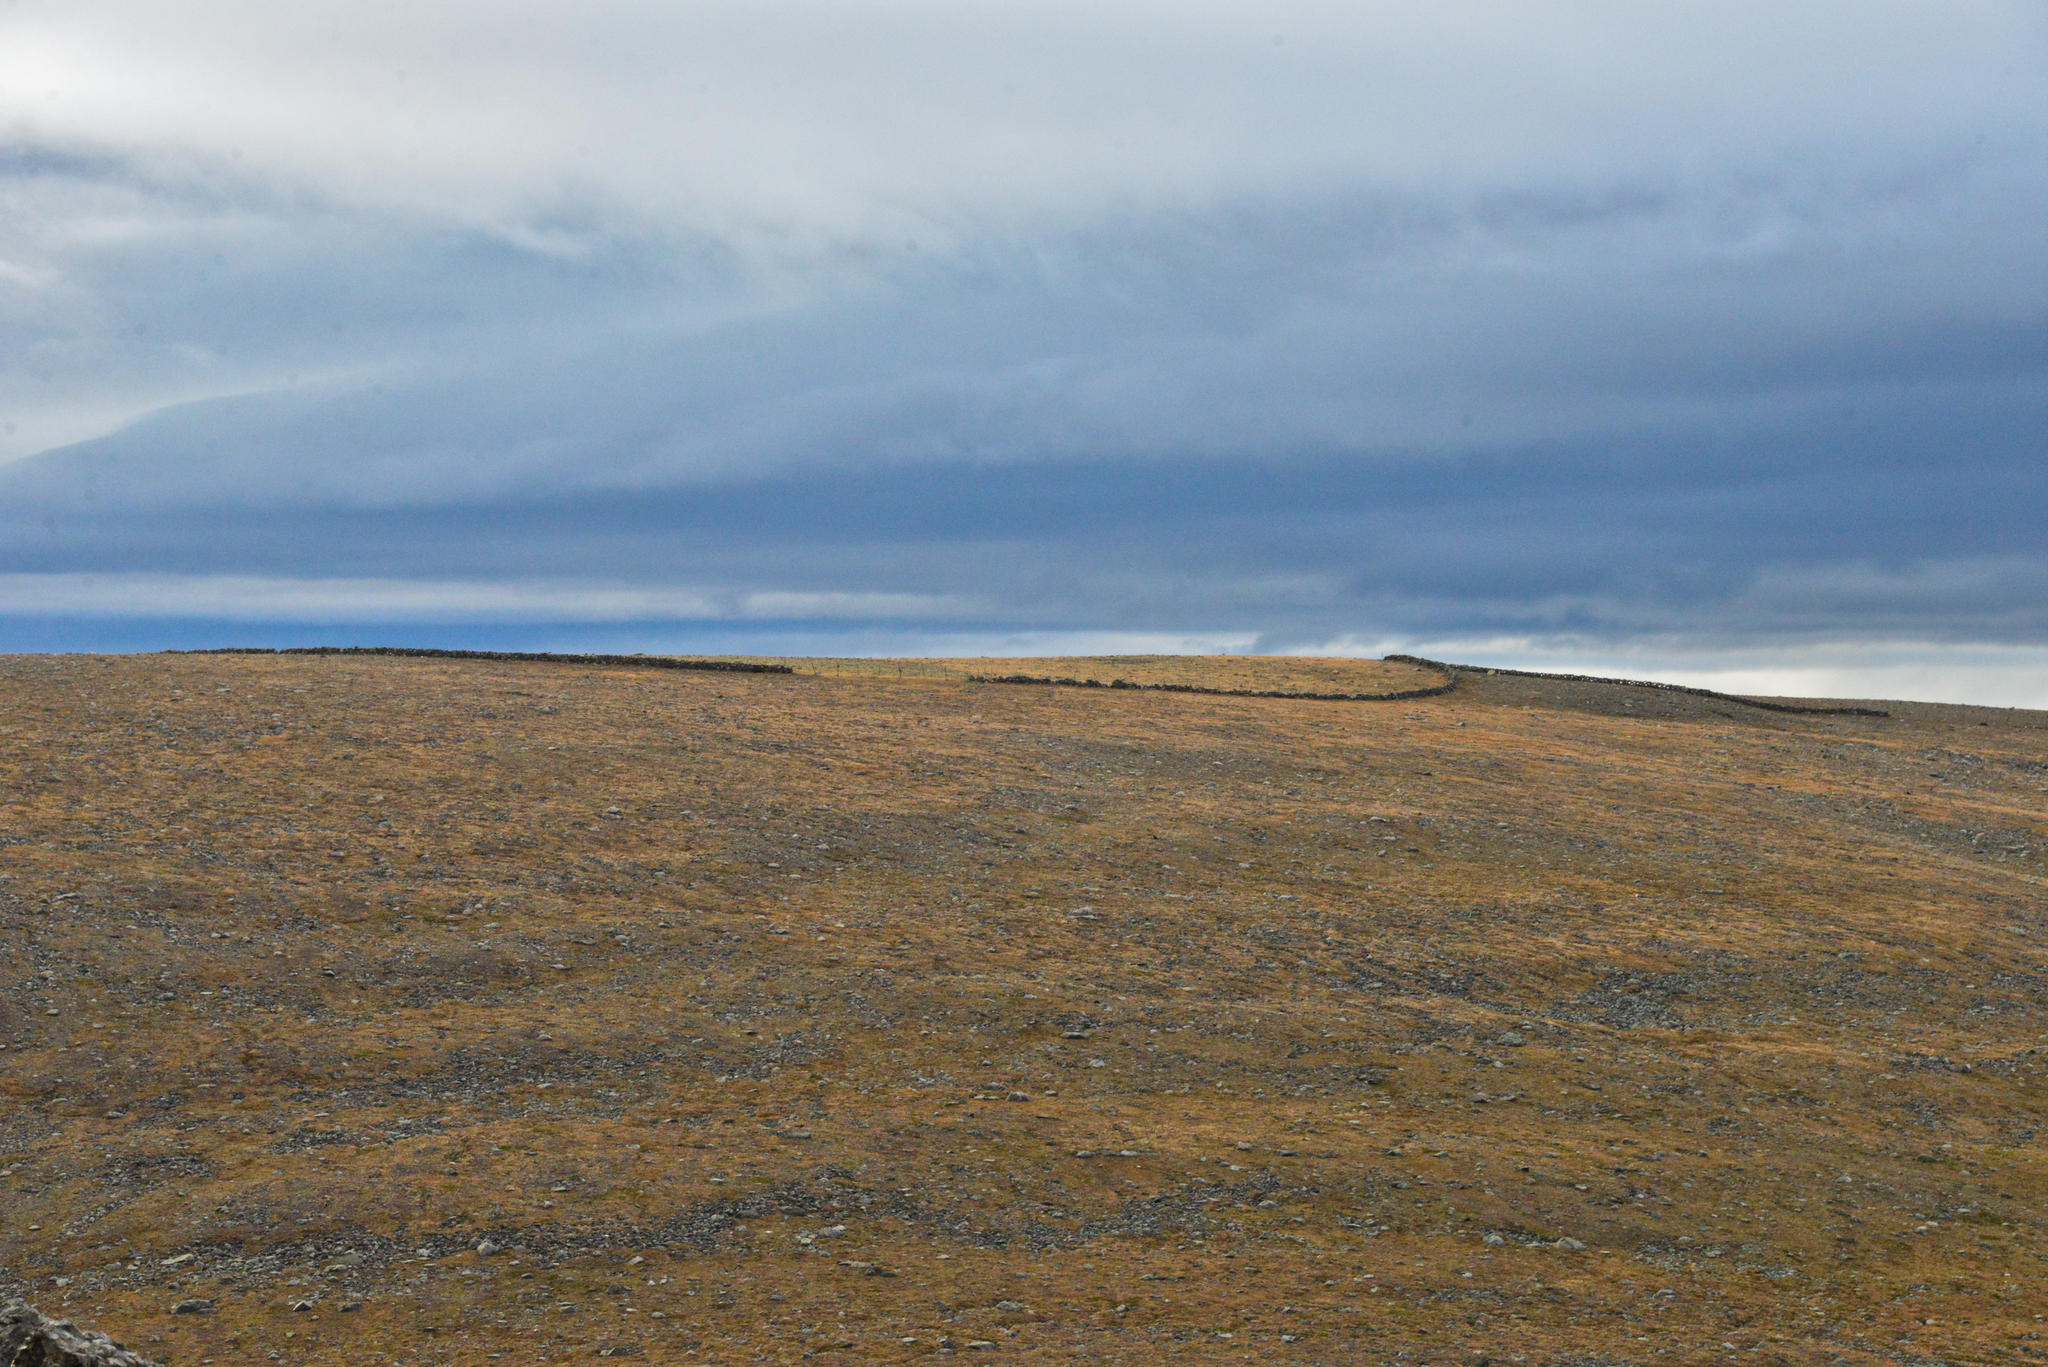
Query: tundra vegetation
x=364, y=1010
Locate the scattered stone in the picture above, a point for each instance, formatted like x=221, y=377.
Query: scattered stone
x=32, y=1340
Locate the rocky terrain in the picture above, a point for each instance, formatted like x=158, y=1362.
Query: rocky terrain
x=30, y=1339
x=366, y=1010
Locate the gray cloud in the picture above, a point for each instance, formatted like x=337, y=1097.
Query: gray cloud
x=1694, y=325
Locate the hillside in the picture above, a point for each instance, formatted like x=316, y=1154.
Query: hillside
x=420, y=1010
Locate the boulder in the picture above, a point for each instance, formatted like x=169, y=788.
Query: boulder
x=28, y=1339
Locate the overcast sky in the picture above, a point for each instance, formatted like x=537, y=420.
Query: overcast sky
x=1696, y=340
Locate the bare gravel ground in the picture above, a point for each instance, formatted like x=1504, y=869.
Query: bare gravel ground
x=384, y=1010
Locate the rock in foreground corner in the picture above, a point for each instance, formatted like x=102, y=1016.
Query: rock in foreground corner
x=28, y=1339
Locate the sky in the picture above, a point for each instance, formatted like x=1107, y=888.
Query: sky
x=1694, y=341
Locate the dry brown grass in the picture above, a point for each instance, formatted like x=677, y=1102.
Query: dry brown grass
x=1117, y=1026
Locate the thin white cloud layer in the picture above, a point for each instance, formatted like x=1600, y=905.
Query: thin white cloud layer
x=375, y=601
x=798, y=123
x=2014, y=679
x=1911, y=671
x=1906, y=670
x=1050, y=644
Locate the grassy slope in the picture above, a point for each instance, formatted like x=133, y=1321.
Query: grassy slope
x=1139, y=1026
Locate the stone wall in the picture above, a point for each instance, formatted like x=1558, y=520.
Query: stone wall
x=1450, y=682
x=542, y=657
x=1644, y=683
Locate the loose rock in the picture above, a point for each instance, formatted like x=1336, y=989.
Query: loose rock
x=32, y=1340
